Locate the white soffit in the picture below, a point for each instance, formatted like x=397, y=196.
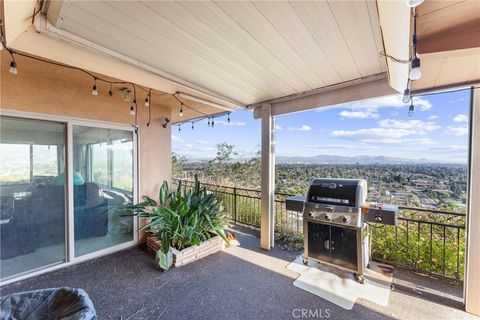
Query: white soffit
x=245, y=51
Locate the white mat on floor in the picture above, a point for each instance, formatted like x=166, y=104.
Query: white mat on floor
x=340, y=287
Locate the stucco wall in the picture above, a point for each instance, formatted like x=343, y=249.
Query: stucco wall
x=46, y=89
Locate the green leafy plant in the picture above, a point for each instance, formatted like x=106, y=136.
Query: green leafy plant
x=182, y=218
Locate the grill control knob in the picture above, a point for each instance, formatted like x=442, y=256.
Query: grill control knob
x=346, y=219
x=328, y=216
x=378, y=219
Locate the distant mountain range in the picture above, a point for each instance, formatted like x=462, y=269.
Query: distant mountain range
x=327, y=159
x=363, y=160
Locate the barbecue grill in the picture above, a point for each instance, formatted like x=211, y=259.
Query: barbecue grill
x=336, y=220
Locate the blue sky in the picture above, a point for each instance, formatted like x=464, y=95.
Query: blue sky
x=437, y=131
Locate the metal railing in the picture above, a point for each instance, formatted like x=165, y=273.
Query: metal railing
x=425, y=240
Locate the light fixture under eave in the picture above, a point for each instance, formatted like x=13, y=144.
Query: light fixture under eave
x=133, y=107
x=181, y=110
x=414, y=3
x=415, y=72
x=126, y=94
x=147, y=100
x=203, y=101
x=411, y=109
x=13, y=67
x=406, y=96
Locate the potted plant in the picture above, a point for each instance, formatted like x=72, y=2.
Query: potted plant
x=188, y=224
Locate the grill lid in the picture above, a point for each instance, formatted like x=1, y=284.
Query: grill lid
x=345, y=192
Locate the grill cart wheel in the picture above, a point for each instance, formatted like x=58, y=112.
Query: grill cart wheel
x=305, y=261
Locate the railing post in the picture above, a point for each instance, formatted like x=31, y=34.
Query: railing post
x=235, y=204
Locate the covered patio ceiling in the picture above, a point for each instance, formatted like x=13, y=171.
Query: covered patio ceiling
x=246, y=51
x=239, y=54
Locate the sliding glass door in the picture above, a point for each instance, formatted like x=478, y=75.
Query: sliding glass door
x=103, y=185
x=32, y=195
x=63, y=189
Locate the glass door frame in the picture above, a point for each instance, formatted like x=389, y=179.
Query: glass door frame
x=69, y=122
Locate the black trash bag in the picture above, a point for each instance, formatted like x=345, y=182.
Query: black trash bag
x=56, y=303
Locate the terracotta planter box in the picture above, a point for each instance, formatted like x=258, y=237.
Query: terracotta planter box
x=190, y=254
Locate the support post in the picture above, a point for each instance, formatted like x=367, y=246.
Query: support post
x=472, y=254
x=268, y=177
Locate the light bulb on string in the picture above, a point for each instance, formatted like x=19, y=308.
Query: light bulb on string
x=110, y=92
x=213, y=122
x=181, y=110
x=406, y=96
x=411, y=109
x=228, y=118
x=147, y=100
x=13, y=67
x=179, y=128
x=132, y=108
x=415, y=72
x=193, y=126
x=414, y=3
x=208, y=121
x=94, y=88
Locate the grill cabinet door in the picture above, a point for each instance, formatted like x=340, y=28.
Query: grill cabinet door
x=344, y=247
x=319, y=241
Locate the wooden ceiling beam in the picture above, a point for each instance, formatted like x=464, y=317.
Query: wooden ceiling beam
x=465, y=36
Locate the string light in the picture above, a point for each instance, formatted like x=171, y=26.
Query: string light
x=415, y=72
x=165, y=124
x=414, y=3
x=193, y=124
x=228, y=118
x=411, y=108
x=147, y=99
x=133, y=107
x=13, y=67
x=126, y=91
x=213, y=122
x=179, y=128
x=94, y=88
x=406, y=96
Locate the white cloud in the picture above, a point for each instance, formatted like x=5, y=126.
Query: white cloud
x=461, y=118
x=303, y=127
x=343, y=146
x=373, y=105
x=358, y=114
x=177, y=138
x=278, y=127
x=201, y=141
x=457, y=131
x=433, y=117
x=402, y=142
x=231, y=123
x=449, y=149
x=417, y=125
x=457, y=100
x=371, y=133
x=391, y=132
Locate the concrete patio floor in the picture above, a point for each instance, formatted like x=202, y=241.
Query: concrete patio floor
x=227, y=285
